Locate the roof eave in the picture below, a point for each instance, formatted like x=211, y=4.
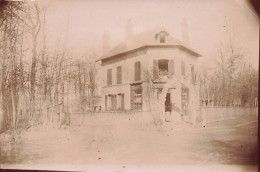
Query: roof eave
x=147, y=46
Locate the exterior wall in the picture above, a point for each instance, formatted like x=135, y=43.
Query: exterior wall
x=127, y=77
x=123, y=88
x=146, y=58
x=177, y=55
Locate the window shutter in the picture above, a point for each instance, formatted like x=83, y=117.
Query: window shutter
x=132, y=96
x=115, y=99
x=171, y=67
x=119, y=75
x=112, y=103
x=182, y=68
x=137, y=71
x=122, y=101
x=192, y=75
x=105, y=102
x=109, y=77
x=155, y=69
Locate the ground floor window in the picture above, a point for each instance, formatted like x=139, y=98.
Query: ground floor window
x=136, y=97
x=114, y=102
x=185, y=100
x=120, y=100
x=111, y=102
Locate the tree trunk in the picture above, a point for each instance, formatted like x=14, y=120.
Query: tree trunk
x=13, y=109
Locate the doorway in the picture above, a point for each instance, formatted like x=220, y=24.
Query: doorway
x=168, y=103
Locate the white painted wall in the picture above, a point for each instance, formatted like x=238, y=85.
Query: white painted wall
x=146, y=60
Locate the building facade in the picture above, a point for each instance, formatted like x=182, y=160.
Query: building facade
x=150, y=71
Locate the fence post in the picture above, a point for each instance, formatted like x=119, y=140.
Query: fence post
x=203, y=115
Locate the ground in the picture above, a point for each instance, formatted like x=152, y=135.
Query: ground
x=229, y=144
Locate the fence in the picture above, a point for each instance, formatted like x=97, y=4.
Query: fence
x=211, y=114
x=126, y=118
x=146, y=118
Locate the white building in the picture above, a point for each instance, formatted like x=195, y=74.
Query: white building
x=171, y=66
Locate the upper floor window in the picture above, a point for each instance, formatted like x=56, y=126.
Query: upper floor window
x=163, y=67
x=137, y=71
x=109, y=77
x=119, y=75
x=182, y=68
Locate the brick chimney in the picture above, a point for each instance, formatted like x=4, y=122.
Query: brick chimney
x=185, y=32
x=129, y=29
x=106, y=42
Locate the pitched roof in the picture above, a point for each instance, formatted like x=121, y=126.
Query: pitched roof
x=143, y=39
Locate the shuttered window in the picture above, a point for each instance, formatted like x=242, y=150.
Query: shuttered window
x=120, y=104
x=137, y=71
x=136, y=97
x=182, y=68
x=163, y=67
x=109, y=77
x=119, y=75
x=171, y=67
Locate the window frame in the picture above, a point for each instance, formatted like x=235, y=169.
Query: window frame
x=160, y=69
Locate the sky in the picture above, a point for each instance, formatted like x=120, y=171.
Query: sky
x=211, y=23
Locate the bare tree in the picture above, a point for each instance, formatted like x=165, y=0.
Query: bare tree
x=11, y=32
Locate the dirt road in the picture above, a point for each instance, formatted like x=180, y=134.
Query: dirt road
x=230, y=142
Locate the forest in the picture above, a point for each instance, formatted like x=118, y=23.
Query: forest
x=233, y=82
x=38, y=82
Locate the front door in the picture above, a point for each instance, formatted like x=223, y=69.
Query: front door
x=168, y=103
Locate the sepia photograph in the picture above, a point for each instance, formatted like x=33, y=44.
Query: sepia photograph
x=129, y=85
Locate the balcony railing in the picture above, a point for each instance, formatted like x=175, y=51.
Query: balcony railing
x=161, y=72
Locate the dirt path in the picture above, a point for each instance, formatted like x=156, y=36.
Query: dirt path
x=124, y=146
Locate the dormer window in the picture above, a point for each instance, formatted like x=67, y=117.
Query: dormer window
x=161, y=36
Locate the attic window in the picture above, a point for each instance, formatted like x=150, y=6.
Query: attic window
x=161, y=36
